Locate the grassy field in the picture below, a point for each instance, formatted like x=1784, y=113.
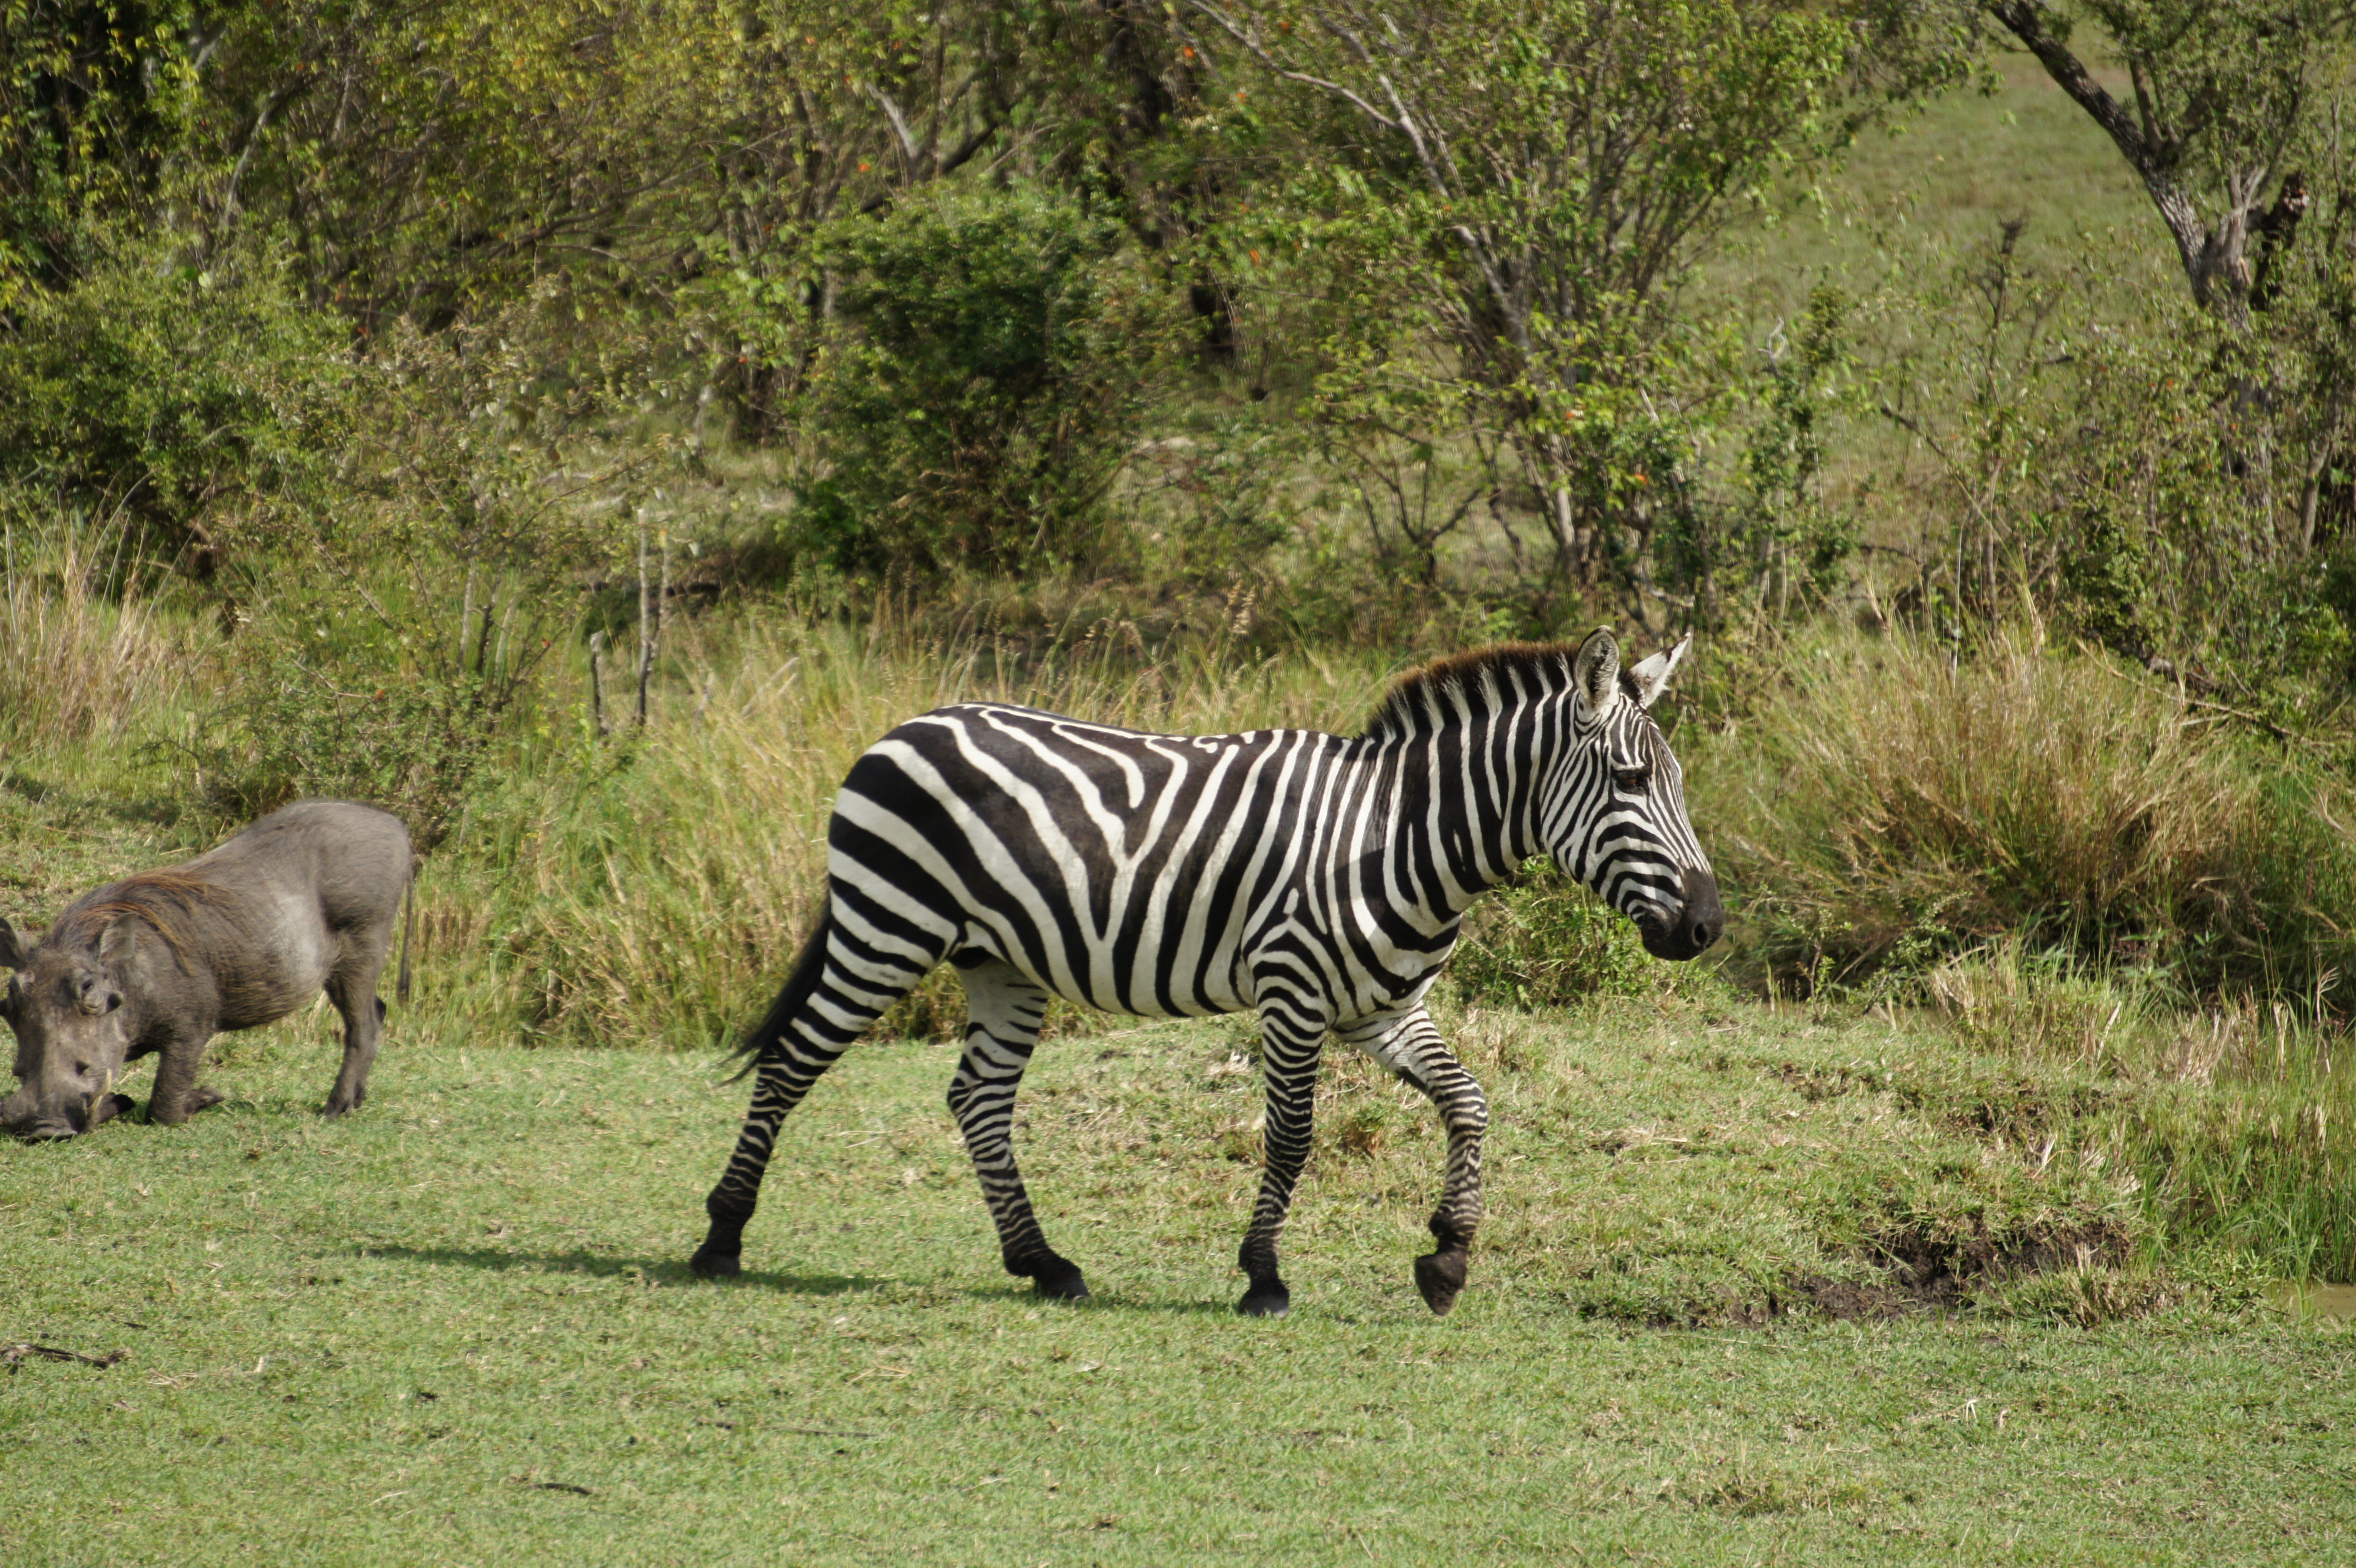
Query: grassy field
x=1976, y=1266
x=457, y=1327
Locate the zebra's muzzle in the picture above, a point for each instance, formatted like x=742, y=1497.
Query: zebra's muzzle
x=1698, y=922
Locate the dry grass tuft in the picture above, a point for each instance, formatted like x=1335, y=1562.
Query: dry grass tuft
x=75, y=665
x=1885, y=803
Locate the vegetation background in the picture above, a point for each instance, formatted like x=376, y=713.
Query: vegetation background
x=583, y=426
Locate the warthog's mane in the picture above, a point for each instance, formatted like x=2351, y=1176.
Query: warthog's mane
x=162, y=898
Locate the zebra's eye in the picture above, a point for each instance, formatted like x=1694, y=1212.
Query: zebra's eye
x=1631, y=780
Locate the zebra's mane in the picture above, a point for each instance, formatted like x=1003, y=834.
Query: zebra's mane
x=1418, y=701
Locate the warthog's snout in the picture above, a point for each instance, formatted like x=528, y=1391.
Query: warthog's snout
x=19, y=1117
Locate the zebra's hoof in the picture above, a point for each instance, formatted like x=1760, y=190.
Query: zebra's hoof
x=1054, y=1276
x=715, y=1265
x=1439, y=1276
x=1265, y=1301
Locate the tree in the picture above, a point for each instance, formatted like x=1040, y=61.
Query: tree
x=2226, y=94
x=1542, y=177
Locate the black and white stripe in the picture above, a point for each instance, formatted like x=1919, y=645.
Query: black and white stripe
x=1316, y=879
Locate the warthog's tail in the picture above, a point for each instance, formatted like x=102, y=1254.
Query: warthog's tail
x=408, y=931
x=764, y=1036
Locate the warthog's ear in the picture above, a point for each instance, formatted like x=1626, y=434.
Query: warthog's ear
x=12, y=948
x=1596, y=667
x=119, y=944
x=1652, y=675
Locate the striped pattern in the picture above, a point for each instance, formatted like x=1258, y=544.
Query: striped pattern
x=1316, y=879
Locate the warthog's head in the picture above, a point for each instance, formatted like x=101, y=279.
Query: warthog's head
x=65, y=1002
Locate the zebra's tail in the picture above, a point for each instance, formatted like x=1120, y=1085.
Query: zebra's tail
x=762, y=1040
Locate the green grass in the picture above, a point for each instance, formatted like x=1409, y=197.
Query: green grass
x=1946, y=175
x=457, y=1327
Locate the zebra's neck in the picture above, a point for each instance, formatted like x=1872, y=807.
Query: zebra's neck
x=1461, y=798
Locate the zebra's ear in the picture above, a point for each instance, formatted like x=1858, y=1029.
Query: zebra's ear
x=1596, y=667
x=1652, y=675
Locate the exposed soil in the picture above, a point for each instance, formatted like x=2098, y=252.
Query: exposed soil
x=1928, y=1272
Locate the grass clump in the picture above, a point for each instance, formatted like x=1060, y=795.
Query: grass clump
x=1897, y=801
x=2234, y=1119
x=1545, y=940
x=84, y=655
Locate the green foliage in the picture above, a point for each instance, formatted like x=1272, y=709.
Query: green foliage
x=994, y=384
x=473, y=518
x=2159, y=483
x=306, y=721
x=95, y=98
x=182, y=400
x=1535, y=183
x=1544, y=940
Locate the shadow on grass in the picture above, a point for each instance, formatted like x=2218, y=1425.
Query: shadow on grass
x=667, y=1271
x=671, y=1271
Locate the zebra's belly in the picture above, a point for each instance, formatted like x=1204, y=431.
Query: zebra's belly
x=1146, y=983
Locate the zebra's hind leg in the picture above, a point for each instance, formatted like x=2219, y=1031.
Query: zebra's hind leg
x=1289, y=1051
x=839, y=985
x=1004, y=1009
x=1410, y=1047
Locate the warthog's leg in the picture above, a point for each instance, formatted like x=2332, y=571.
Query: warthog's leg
x=351, y=986
x=1004, y=1009
x=177, y=1095
x=1410, y=1047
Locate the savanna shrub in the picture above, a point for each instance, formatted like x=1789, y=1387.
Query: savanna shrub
x=992, y=383
x=1544, y=940
x=175, y=398
x=357, y=724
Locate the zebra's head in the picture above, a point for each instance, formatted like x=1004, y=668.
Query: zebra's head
x=1613, y=811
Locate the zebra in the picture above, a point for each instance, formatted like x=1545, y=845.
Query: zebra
x=1318, y=880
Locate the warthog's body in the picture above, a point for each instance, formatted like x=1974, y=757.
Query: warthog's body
x=160, y=962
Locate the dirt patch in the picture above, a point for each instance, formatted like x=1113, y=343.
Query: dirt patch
x=1923, y=1270
x=1933, y=1271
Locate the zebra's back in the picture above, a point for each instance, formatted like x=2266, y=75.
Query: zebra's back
x=1121, y=869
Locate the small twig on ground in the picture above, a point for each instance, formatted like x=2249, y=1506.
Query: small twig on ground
x=14, y=1353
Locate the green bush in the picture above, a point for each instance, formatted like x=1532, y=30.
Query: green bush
x=1544, y=940
x=177, y=399
x=298, y=723
x=991, y=386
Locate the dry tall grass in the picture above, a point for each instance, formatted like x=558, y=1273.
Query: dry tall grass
x=76, y=665
x=1884, y=793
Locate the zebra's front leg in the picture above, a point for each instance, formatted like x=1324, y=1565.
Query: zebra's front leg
x=1004, y=1009
x=1288, y=1056
x=1410, y=1047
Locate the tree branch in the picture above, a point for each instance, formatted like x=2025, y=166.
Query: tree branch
x=2153, y=161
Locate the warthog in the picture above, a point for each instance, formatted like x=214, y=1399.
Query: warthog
x=160, y=962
